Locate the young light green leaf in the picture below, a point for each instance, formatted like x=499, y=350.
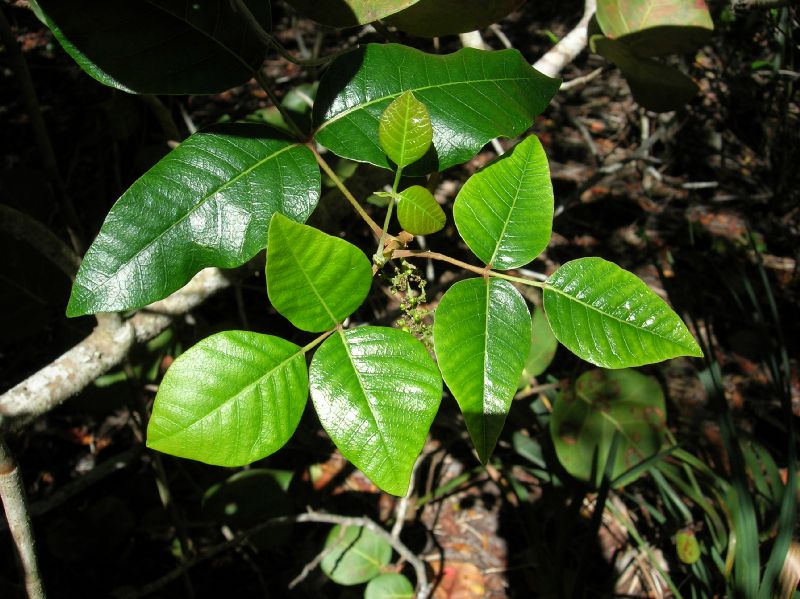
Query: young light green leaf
x=404, y=130
x=586, y=417
x=314, y=279
x=419, y=212
x=349, y=13
x=207, y=203
x=482, y=334
x=230, y=400
x=505, y=212
x=543, y=347
x=376, y=391
x=472, y=97
x=389, y=586
x=161, y=46
x=609, y=317
x=354, y=555
x=433, y=18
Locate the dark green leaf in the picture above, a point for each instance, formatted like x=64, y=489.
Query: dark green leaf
x=543, y=347
x=472, y=97
x=404, y=130
x=603, y=402
x=314, y=279
x=609, y=317
x=349, y=13
x=419, y=212
x=354, y=555
x=482, y=334
x=230, y=400
x=159, y=46
x=389, y=586
x=504, y=212
x=207, y=203
x=432, y=18
x=376, y=391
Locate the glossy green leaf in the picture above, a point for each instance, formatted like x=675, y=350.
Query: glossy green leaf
x=159, y=46
x=543, y=347
x=432, y=18
x=482, y=334
x=404, y=130
x=389, y=586
x=601, y=403
x=314, y=279
x=230, y=400
x=376, y=391
x=207, y=203
x=504, y=212
x=656, y=27
x=654, y=85
x=349, y=13
x=472, y=97
x=609, y=317
x=419, y=212
x=354, y=555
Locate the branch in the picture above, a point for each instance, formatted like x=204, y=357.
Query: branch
x=565, y=51
x=103, y=349
x=12, y=493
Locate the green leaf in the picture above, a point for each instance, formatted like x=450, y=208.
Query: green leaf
x=654, y=85
x=349, y=13
x=206, y=203
x=504, y=212
x=404, y=130
x=354, y=555
x=482, y=334
x=602, y=402
x=230, y=400
x=376, y=391
x=314, y=279
x=419, y=212
x=656, y=27
x=389, y=586
x=543, y=347
x=609, y=317
x=472, y=97
x=686, y=546
x=432, y=18
x=159, y=46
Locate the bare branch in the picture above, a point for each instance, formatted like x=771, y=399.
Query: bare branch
x=572, y=44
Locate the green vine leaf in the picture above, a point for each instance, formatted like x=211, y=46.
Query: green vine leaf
x=609, y=317
x=232, y=399
x=586, y=417
x=482, y=335
x=376, y=391
x=504, y=212
x=354, y=555
x=404, y=130
x=389, y=586
x=433, y=18
x=159, y=46
x=206, y=203
x=472, y=97
x=314, y=279
x=419, y=212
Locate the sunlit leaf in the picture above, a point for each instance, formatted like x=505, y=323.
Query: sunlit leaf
x=389, y=586
x=419, y=212
x=432, y=18
x=609, y=317
x=404, y=130
x=543, y=347
x=354, y=555
x=349, y=13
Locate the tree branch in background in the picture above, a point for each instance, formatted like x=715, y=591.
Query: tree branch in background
x=572, y=44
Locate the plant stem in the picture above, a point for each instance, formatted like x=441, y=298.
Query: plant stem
x=12, y=494
x=485, y=272
x=376, y=230
x=379, y=258
x=266, y=85
x=317, y=341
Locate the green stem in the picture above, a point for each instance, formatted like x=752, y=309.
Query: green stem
x=379, y=258
x=265, y=84
x=476, y=269
x=317, y=341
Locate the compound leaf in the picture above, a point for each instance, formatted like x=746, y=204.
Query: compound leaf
x=230, y=400
x=159, y=46
x=314, y=279
x=354, y=555
x=376, y=391
x=586, y=417
x=432, y=18
x=472, y=97
x=349, y=13
x=482, y=335
x=504, y=212
x=389, y=586
x=419, y=212
x=404, y=130
x=206, y=203
x=609, y=317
